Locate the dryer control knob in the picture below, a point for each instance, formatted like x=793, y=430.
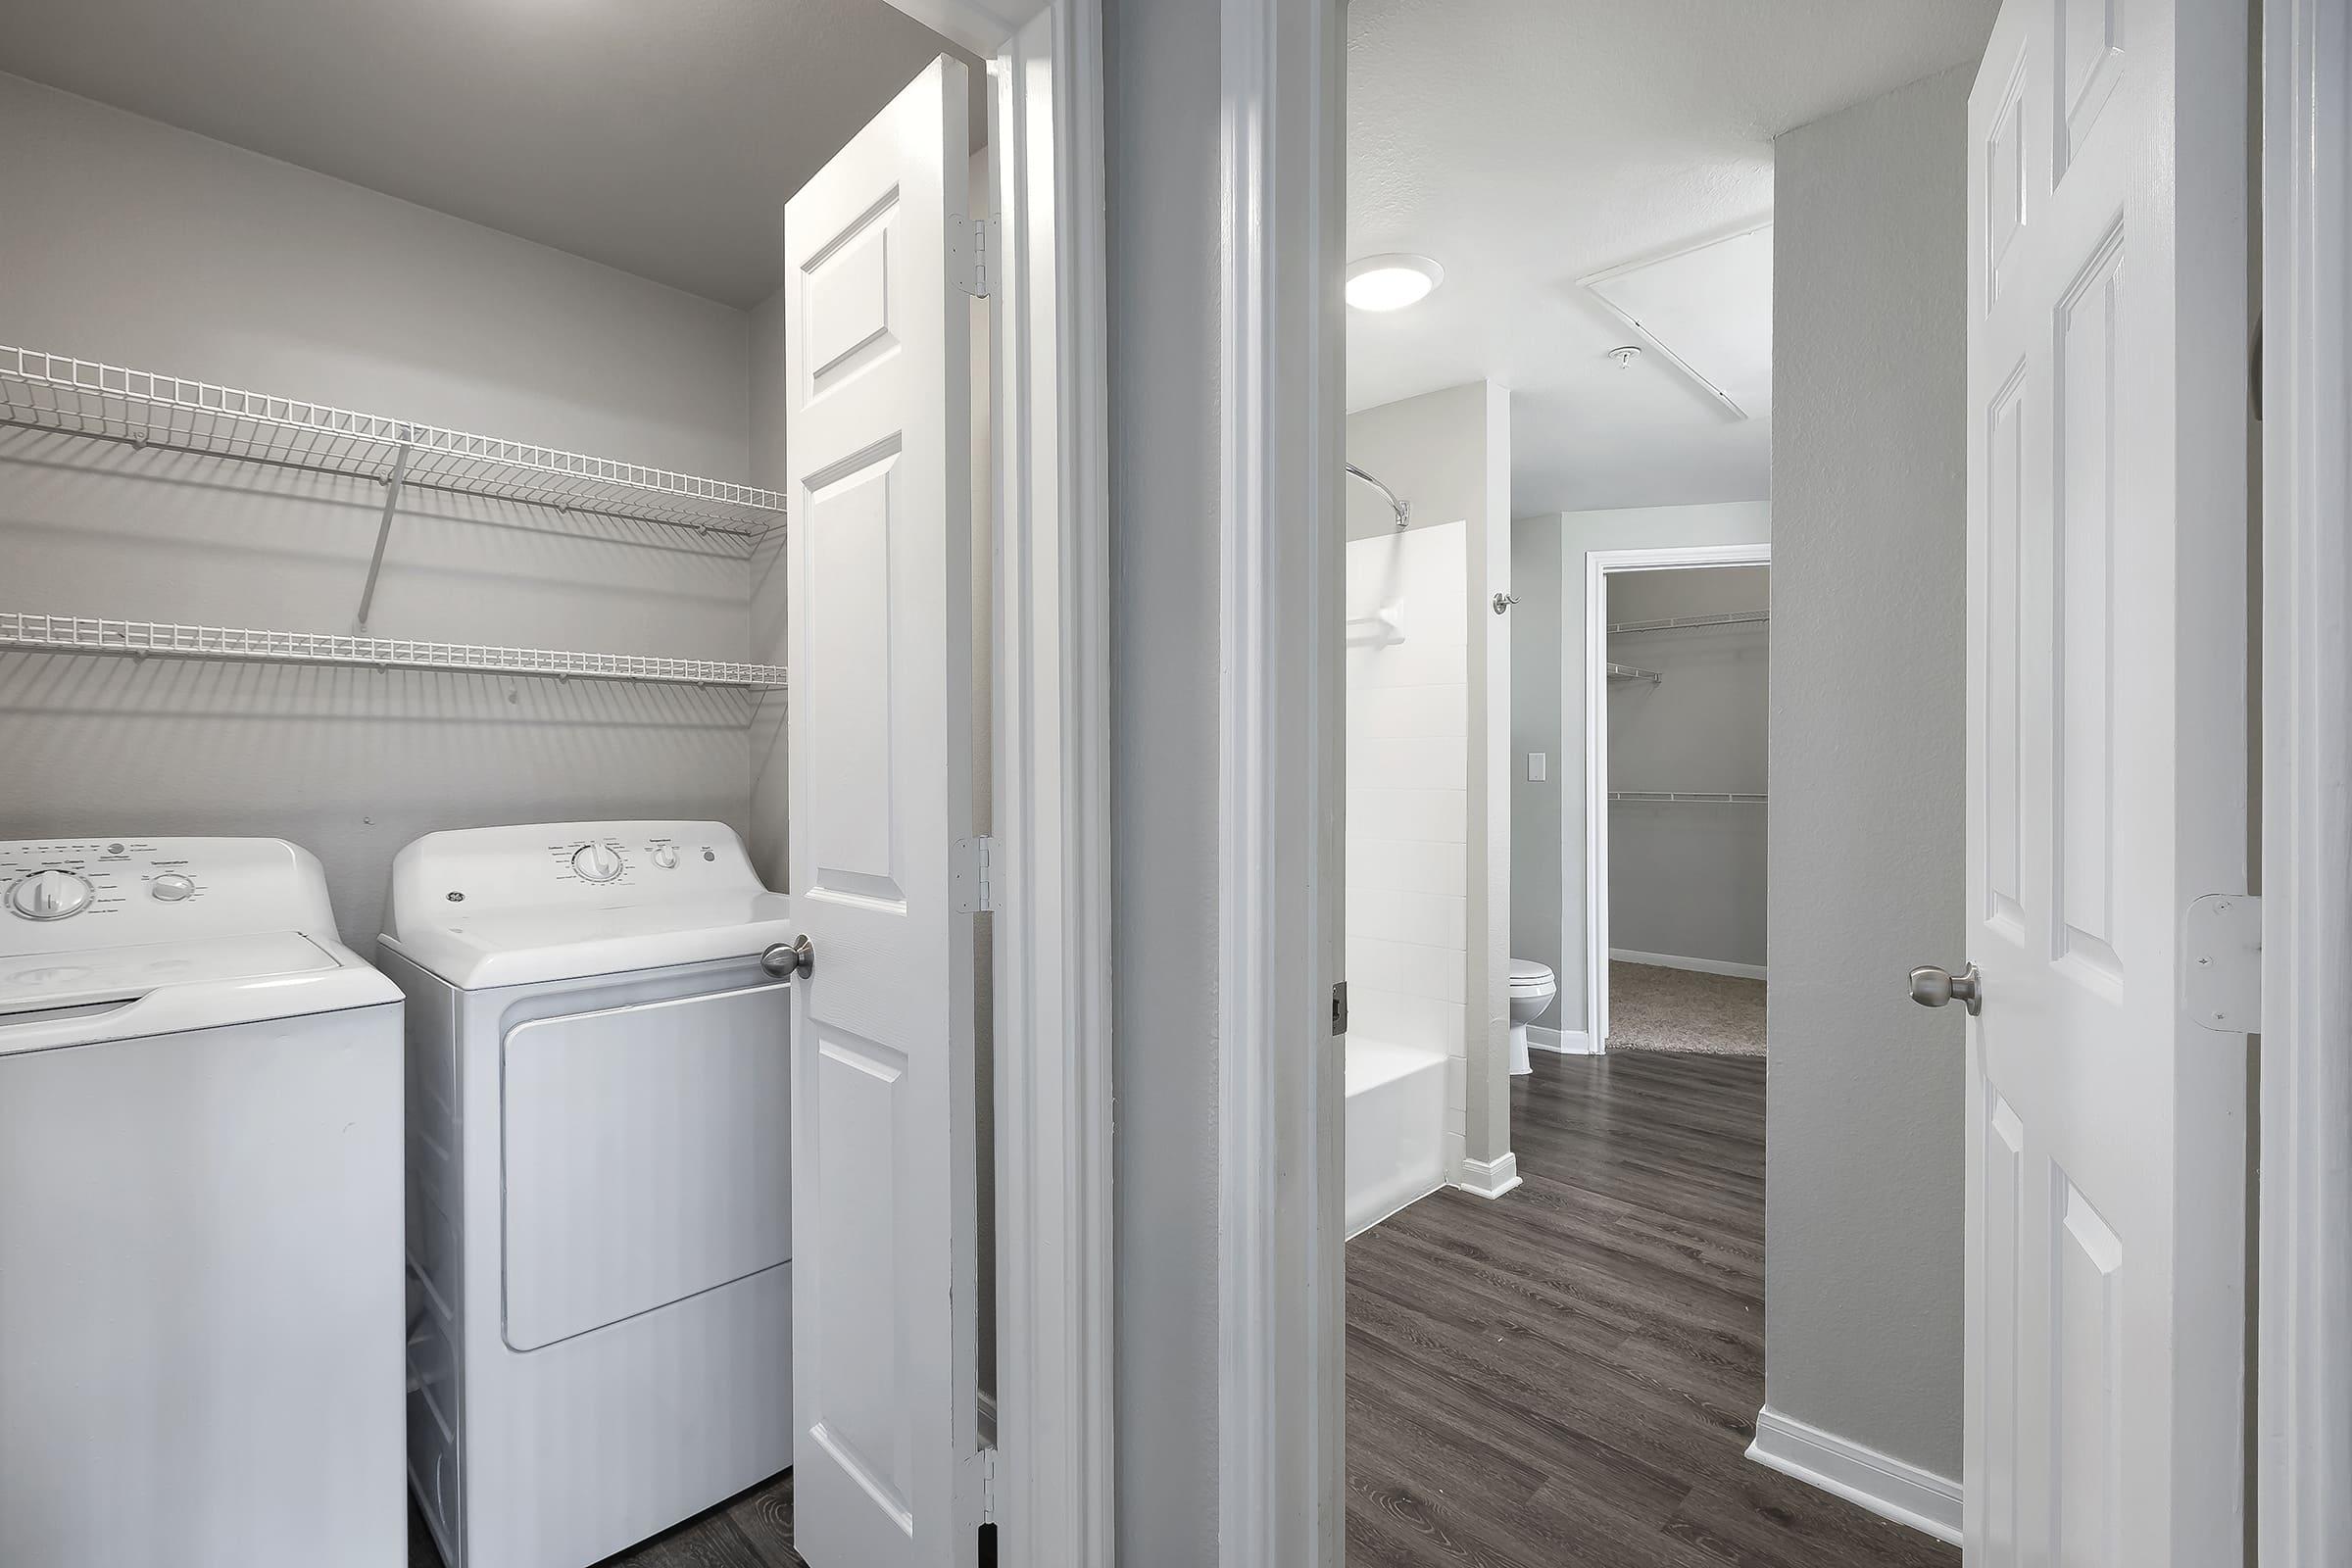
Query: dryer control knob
x=51, y=895
x=596, y=862
x=665, y=856
x=172, y=887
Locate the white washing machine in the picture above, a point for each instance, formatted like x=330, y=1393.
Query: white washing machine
x=600, y=1183
x=200, y=1208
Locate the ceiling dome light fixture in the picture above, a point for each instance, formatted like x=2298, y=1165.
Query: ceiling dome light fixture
x=1392, y=282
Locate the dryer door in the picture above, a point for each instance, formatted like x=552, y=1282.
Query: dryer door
x=646, y=1157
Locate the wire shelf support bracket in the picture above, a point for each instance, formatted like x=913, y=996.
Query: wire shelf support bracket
x=383, y=532
x=1633, y=672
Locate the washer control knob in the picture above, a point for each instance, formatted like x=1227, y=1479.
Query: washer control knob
x=665, y=856
x=596, y=862
x=51, y=895
x=172, y=887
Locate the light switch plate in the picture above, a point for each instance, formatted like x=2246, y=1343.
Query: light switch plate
x=1536, y=767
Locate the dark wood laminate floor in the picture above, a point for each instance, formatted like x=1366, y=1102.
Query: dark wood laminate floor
x=752, y=1530
x=1568, y=1377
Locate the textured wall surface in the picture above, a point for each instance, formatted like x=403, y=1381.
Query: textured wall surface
x=1686, y=878
x=1536, y=669
x=138, y=244
x=1862, y=1265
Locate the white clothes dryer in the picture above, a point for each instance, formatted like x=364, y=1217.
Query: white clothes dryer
x=200, y=1211
x=600, y=1183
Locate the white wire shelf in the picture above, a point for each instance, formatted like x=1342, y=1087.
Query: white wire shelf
x=1679, y=798
x=1742, y=617
x=109, y=402
x=1633, y=672
x=147, y=639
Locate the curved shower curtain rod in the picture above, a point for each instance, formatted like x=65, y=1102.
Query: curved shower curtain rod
x=1402, y=506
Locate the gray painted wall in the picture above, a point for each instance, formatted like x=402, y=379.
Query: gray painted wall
x=1863, y=1200
x=136, y=243
x=1161, y=140
x=1687, y=879
x=1535, y=632
x=1449, y=454
x=1548, y=828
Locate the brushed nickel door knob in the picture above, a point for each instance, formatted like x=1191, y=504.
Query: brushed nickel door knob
x=1934, y=987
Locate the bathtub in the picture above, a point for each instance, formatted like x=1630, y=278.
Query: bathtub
x=1396, y=1128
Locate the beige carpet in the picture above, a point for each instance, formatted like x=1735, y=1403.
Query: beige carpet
x=1675, y=1009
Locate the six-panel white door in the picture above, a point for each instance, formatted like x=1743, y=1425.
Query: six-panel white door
x=878, y=445
x=2107, y=515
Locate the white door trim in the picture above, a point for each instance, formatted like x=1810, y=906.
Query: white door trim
x=1051, y=865
x=2304, y=1373
x=1280, y=540
x=1598, y=564
x=1054, y=1477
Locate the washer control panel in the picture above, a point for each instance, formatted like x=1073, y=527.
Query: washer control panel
x=57, y=894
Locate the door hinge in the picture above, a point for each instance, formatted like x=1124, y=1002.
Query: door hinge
x=975, y=893
x=970, y=243
x=2220, y=963
x=1339, y=1009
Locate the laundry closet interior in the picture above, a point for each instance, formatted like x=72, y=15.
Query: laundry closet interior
x=393, y=413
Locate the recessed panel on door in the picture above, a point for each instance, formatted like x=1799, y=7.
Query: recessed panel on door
x=2007, y=430
x=852, y=827
x=859, y=1409
x=2083, y=593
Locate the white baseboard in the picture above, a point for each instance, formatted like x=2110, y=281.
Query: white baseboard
x=1491, y=1178
x=1887, y=1487
x=1669, y=960
x=1567, y=1041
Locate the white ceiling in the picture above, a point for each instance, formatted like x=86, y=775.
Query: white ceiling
x=661, y=138
x=1527, y=144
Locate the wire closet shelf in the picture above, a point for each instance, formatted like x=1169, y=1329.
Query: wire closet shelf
x=1684, y=798
x=113, y=403
x=144, y=639
x=1739, y=617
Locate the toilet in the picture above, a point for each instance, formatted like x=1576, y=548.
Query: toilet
x=1532, y=991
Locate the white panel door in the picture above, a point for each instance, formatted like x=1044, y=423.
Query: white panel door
x=879, y=447
x=2107, y=782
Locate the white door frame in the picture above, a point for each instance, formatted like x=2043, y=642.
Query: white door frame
x=1050, y=862
x=2303, y=1437
x=1281, y=538
x=1282, y=1497
x=1598, y=565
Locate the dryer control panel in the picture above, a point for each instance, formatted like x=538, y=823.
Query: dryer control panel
x=62, y=893
x=590, y=865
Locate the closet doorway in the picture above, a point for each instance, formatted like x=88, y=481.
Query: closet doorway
x=1677, y=663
